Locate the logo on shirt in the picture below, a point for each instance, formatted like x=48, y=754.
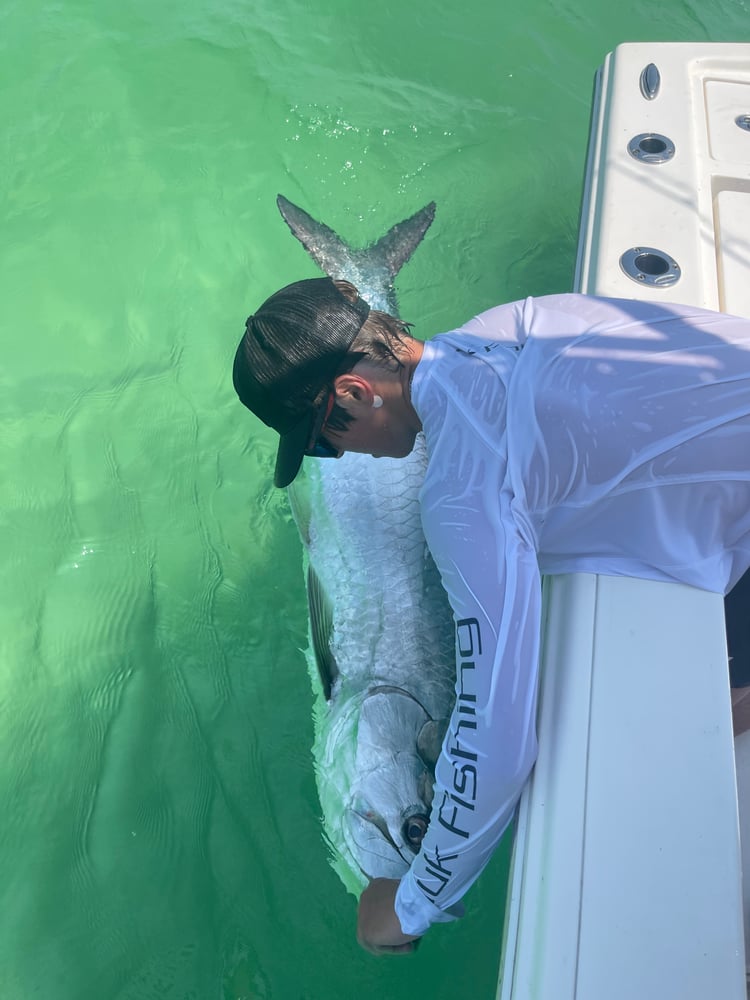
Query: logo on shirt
x=458, y=800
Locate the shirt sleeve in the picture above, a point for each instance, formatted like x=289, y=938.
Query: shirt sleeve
x=487, y=559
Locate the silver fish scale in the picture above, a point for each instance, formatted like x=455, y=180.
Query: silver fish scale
x=392, y=624
x=391, y=630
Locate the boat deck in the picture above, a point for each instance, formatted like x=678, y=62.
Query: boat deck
x=626, y=879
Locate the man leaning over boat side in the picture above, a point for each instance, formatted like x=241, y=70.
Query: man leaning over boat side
x=564, y=434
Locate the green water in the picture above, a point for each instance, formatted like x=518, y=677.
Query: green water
x=160, y=833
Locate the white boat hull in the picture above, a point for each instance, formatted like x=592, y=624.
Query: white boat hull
x=626, y=879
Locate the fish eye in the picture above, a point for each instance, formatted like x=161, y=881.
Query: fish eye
x=414, y=829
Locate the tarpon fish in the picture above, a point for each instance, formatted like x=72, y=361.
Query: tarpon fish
x=381, y=630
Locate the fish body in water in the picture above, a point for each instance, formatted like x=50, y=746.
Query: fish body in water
x=382, y=651
x=382, y=640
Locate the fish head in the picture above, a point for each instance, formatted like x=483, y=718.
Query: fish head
x=390, y=799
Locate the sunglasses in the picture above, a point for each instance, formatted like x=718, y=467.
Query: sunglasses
x=318, y=447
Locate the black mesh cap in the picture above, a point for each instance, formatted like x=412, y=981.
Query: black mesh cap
x=291, y=351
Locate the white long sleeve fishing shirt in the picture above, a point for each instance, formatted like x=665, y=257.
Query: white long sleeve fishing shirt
x=564, y=434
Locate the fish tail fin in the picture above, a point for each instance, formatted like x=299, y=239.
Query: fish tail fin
x=320, y=241
x=376, y=266
x=400, y=242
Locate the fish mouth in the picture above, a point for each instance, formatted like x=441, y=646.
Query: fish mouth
x=389, y=808
x=373, y=819
x=413, y=829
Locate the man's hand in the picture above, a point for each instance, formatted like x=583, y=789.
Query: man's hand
x=378, y=929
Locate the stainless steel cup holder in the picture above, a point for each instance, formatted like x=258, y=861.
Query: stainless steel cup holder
x=649, y=266
x=651, y=147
